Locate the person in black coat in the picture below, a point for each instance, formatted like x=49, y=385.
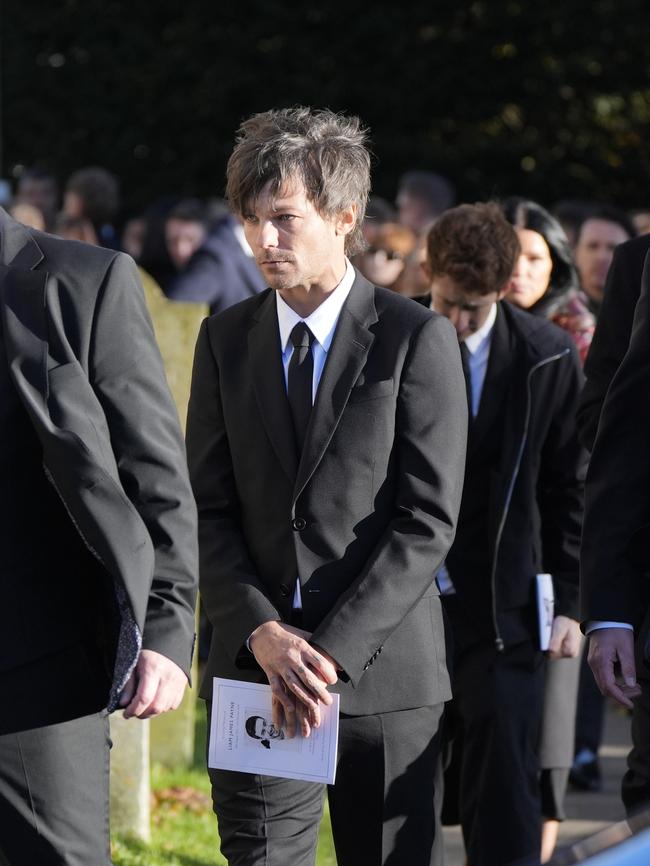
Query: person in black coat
x=520, y=516
x=614, y=569
x=98, y=538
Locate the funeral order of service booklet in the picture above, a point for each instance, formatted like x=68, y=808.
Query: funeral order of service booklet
x=243, y=738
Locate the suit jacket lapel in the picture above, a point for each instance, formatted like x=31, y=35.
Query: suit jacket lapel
x=269, y=385
x=345, y=361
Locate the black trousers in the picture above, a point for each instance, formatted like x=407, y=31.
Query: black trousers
x=54, y=761
x=54, y=795
x=384, y=806
x=496, y=715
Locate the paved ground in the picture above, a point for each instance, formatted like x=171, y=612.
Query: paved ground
x=587, y=813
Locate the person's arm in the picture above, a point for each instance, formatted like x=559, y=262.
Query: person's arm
x=430, y=444
x=560, y=488
x=618, y=509
x=127, y=374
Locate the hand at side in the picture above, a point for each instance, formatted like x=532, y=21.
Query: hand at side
x=609, y=648
x=156, y=685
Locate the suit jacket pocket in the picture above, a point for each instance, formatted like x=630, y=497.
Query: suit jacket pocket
x=372, y=390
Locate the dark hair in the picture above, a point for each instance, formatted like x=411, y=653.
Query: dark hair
x=326, y=151
x=99, y=192
x=251, y=721
x=526, y=214
x=609, y=214
x=189, y=210
x=433, y=189
x=475, y=246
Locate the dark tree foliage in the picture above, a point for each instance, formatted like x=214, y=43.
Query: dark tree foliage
x=546, y=99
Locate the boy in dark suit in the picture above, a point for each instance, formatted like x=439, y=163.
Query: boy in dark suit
x=520, y=515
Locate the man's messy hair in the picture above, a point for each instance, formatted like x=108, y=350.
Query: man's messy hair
x=326, y=151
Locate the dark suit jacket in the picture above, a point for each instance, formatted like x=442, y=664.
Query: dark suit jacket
x=364, y=518
x=85, y=364
x=616, y=535
x=219, y=273
x=535, y=494
x=612, y=332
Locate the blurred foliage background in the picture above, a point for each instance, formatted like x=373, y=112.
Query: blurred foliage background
x=549, y=99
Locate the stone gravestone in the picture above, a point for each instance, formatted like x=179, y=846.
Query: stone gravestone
x=169, y=739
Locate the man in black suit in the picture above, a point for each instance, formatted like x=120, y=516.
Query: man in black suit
x=98, y=543
x=321, y=528
x=615, y=596
x=520, y=516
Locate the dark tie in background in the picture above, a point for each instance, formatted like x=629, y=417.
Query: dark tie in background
x=301, y=375
x=464, y=356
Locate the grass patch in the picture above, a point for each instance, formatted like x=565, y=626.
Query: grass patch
x=183, y=826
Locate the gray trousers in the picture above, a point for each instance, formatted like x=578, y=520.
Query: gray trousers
x=384, y=807
x=54, y=794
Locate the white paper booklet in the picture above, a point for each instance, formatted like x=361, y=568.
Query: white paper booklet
x=545, y=608
x=243, y=738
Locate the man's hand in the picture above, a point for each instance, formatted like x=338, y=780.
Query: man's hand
x=156, y=685
x=297, y=672
x=608, y=648
x=565, y=638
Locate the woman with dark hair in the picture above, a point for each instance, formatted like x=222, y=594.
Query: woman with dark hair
x=545, y=280
x=545, y=283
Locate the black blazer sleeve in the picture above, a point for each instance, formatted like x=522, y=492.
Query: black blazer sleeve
x=430, y=445
x=618, y=486
x=612, y=334
x=127, y=374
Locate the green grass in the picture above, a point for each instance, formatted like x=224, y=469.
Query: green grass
x=183, y=826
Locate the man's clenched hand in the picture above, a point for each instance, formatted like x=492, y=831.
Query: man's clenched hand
x=156, y=685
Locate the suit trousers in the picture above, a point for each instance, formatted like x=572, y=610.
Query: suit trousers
x=384, y=805
x=635, y=788
x=54, y=794
x=497, y=711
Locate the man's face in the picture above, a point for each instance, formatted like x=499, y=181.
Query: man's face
x=267, y=731
x=467, y=311
x=183, y=238
x=593, y=254
x=294, y=246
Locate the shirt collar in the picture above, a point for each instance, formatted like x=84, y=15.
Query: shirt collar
x=322, y=322
x=480, y=337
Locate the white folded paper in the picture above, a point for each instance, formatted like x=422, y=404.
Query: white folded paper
x=243, y=738
x=545, y=608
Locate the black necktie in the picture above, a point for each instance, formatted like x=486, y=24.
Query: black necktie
x=301, y=375
x=464, y=356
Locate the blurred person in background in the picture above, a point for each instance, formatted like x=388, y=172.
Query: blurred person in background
x=382, y=262
x=545, y=283
x=421, y=197
x=641, y=220
x=39, y=188
x=597, y=238
x=132, y=236
x=378, y=213
x=93, y=193
x=186, y=228
x=28, y=215
x=571, y=213
x=221, y=271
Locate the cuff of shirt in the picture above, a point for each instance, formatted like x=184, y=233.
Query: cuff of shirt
x=595, y=624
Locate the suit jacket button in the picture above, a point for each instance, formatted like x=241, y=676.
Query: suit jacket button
x=299, y=523
x=284, y=590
